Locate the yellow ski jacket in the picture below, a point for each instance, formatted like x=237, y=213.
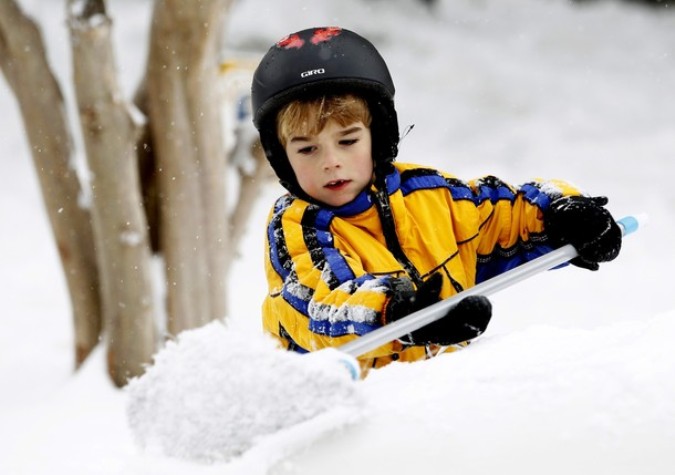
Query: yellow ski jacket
x=330, y=270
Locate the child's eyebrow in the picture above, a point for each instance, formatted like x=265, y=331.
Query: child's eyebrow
x=351, y=130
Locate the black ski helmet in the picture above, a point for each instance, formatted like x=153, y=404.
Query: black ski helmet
x=323, y=61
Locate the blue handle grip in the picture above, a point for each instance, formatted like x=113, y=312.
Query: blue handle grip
x=629, y=224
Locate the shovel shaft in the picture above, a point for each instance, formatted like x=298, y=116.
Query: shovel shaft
x=416, y=320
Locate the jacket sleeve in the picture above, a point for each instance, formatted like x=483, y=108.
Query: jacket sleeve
x=512, y=222
x=319, y=295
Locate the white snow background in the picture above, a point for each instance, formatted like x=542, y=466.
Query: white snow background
x=576, y=373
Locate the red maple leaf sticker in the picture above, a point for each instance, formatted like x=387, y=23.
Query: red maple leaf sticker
x=325, y=34
x=291, y=41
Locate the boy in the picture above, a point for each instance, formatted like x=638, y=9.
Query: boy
x=361, y=241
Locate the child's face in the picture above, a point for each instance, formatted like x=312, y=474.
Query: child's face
x=334, y=165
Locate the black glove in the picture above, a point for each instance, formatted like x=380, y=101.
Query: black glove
x=585, y=223
x=465, y=321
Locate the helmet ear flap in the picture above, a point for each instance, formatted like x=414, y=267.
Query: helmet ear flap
x=384, y=130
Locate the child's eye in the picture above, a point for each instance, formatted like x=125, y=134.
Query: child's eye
x=348, y=141
x=306, y=150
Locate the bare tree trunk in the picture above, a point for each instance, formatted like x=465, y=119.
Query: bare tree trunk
x=24, y=64
x=186, y=126
x=120, y=226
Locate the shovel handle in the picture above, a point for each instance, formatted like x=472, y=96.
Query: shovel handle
x=416, y=320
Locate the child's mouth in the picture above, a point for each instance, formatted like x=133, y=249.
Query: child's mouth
x=337, y=184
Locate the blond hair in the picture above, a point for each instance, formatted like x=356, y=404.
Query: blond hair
x=309, y=117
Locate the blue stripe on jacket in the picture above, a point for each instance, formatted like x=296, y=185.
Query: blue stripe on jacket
x=427, y=181
x=341, y=328
x=336, y=261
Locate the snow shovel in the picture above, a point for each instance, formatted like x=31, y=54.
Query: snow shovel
x=416, y=320
x=198, y=402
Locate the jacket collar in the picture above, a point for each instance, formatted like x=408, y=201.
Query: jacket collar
x=364, y=200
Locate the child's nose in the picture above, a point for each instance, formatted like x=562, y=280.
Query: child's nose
x=331, y=159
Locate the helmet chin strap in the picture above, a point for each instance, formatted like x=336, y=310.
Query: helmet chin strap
x=382, y=171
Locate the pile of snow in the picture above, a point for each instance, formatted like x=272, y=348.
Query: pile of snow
x=571, y=400
x=217, y=391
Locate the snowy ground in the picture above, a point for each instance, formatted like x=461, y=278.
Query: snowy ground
x=577, y=371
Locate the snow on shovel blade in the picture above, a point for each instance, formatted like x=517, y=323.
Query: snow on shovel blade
x=217, y=391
